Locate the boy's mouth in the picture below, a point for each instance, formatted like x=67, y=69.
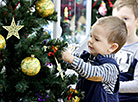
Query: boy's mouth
x=91, y=48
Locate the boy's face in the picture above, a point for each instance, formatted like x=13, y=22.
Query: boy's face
x=98, y=43
x=126, y=14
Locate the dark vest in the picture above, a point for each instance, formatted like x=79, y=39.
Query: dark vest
x=94, y=91
x=128, y=76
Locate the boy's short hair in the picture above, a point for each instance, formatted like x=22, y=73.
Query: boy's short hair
x=116, y=30
x=132, y=4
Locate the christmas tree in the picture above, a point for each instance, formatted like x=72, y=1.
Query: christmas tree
x=31, y=68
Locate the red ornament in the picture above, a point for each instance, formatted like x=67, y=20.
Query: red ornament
x=95, y=3
x=5, y=13
x=69, y=7
x=16, y=5
x=52, y=53
x=110, y=3
x=69, y=15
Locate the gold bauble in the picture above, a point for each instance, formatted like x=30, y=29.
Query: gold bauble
x=76, y=99
x=45, y=7
x=71, y=90
x=2, y=42
x=73, y=99
x=30, y=66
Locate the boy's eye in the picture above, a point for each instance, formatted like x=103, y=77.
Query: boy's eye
x=96, y=39
x=125, y=18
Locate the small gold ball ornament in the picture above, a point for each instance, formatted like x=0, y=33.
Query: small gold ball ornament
x=73, y=98
x=45, y=7
x=76, y=99
x=2, y=42
x=30, y=66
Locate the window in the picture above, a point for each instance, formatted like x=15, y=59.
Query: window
x=74, y=19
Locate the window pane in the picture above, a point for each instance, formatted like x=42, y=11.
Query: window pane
x=73, y=22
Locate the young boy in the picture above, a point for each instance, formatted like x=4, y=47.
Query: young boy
x=127, y=57
x=98, y=70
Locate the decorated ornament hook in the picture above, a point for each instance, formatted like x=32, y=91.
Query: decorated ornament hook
x=52, y=53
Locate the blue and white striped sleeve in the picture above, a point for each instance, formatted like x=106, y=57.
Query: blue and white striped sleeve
x=107, y=71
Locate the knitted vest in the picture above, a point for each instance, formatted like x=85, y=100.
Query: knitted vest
x=94, y=91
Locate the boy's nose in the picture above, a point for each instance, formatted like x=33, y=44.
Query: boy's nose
x=90, y=41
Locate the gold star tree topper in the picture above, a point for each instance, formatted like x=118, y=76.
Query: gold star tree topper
x=13, y=29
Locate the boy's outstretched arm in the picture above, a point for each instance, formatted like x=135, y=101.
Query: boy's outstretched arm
x=105, y=73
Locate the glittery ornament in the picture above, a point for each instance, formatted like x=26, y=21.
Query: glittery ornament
x=44, y=48
x=76, y=99
x=49, y=65
x=66, y=15
x=56, y=48
x=30, y=66
x=13, y=29
x=31, y=10
x=72, y=95
x=45, y=7
x=102, y=9
x=59, y=68
x=45, y=41
x=72, y=90
x=2, y=42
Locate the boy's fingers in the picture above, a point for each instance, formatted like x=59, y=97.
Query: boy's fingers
x=64, y=49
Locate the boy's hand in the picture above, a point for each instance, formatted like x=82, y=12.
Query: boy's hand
x=66, y=56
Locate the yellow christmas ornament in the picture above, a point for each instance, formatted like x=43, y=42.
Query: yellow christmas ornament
x=59, y=68
x=2, y=42
x=13, y=29
x=73, y=91
x=71, y=97
x=45, y=7
x=76, y=99
x=30, y=66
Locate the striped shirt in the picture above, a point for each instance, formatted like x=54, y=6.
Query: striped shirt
x=107, y=71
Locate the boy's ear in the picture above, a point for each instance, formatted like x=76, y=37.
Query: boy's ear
x=113, y=47
x=137, y=22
